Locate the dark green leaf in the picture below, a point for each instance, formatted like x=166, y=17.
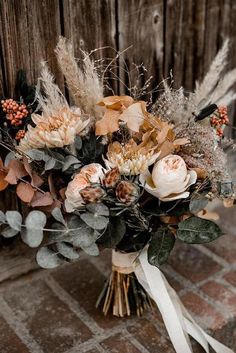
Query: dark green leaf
x=197, y=204
x=195, y=230
x=160, y=246
x=114, y=233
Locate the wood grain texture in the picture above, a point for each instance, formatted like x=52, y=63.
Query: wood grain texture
x=29, y=32
x=140, y=28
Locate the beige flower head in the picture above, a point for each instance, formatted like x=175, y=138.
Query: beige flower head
x=53, y=131
x=91, y=173
x=170, y=179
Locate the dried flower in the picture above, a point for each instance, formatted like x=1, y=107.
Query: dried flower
x=127, y=192
x=130, y=159
x=92, y=194
x=112, y=177
x=169, y=179
x=91, y=173
x=53, y=131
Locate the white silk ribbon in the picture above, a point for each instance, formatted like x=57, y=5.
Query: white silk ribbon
x=179, y=323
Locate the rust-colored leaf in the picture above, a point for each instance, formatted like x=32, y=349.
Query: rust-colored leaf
x=25, y=192
x=16, y=171
x=116, y=102
x=41, y=199
x=3, y=174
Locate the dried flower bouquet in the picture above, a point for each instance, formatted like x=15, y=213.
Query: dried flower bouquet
x=116, y=172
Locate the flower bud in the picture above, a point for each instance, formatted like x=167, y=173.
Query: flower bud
x=112, y=177
x=92, y=194
x=127, y=192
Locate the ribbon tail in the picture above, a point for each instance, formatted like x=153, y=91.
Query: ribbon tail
x=179, y=323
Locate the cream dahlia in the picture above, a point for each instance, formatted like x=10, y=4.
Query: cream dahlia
x=130, y=159
x=53, y=131
x=170, y=179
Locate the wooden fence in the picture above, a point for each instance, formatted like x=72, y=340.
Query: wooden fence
x=182, y=35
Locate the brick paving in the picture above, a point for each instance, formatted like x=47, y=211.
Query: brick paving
x=54, y=311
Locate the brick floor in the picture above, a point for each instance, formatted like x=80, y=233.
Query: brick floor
x=54, y=311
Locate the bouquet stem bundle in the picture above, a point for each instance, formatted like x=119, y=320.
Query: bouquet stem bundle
x=122, y=294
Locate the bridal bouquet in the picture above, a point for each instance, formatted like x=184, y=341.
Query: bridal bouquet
x=118, y=172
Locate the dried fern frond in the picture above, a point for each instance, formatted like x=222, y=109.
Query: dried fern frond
x=83, y=83
x=52, y=98
x=202, y=94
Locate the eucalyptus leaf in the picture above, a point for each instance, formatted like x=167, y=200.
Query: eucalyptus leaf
x=14, y=219
x=98, y=208
x=36, y=220
x=32, y=237
x=78, y=143
x=46, y=258
x=50, y=163
x=160, y=246
x=67, y=251
x=94, y=221
x=37, y=155
x=69, y=161
x=57, y=214
x=195, y=230
x=9, y=232
x=9, y=157
x=92, y=250
x=197, y=204
x=33, y=234
x=2, y=217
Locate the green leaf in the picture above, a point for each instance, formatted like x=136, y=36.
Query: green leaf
x=67, y=251
x=197, y=204
x=82, y=236
x=2, y=217
x=47, y=258
x=195, y=230
x=9, y=232
x=98, y=208
x=78, y=143
x=37, y=155
x=14, y=219
x=94, y=221
x=57, y=214
x=160, y=246
x=114, y=233
x=50, y=163
x=33, y=234
x=69, y=161
x=92, y=250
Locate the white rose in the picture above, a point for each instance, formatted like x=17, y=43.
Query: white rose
x=169, y=179
x=91, y=173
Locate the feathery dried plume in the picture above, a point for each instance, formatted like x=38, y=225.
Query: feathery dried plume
x=83, y=83
x=52, y=100
x=222, y=92
x=171, y=105
x=202, y=94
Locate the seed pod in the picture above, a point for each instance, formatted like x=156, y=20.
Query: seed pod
x=92, y=194
x=127, y=192
x=111, y=178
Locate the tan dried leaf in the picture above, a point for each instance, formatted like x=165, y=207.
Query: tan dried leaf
x=109, y=123
x=134, y=115
x=209, y=215
x=3, y=174
x=16, y=171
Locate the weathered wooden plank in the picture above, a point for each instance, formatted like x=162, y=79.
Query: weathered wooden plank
x=29, y=33
x=140, y=25
x=90, y=25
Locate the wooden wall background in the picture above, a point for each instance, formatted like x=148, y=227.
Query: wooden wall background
x=182, y=35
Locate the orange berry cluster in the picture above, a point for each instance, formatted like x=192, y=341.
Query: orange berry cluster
x=14, y=112
x=219, y=119
x=20, y=135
